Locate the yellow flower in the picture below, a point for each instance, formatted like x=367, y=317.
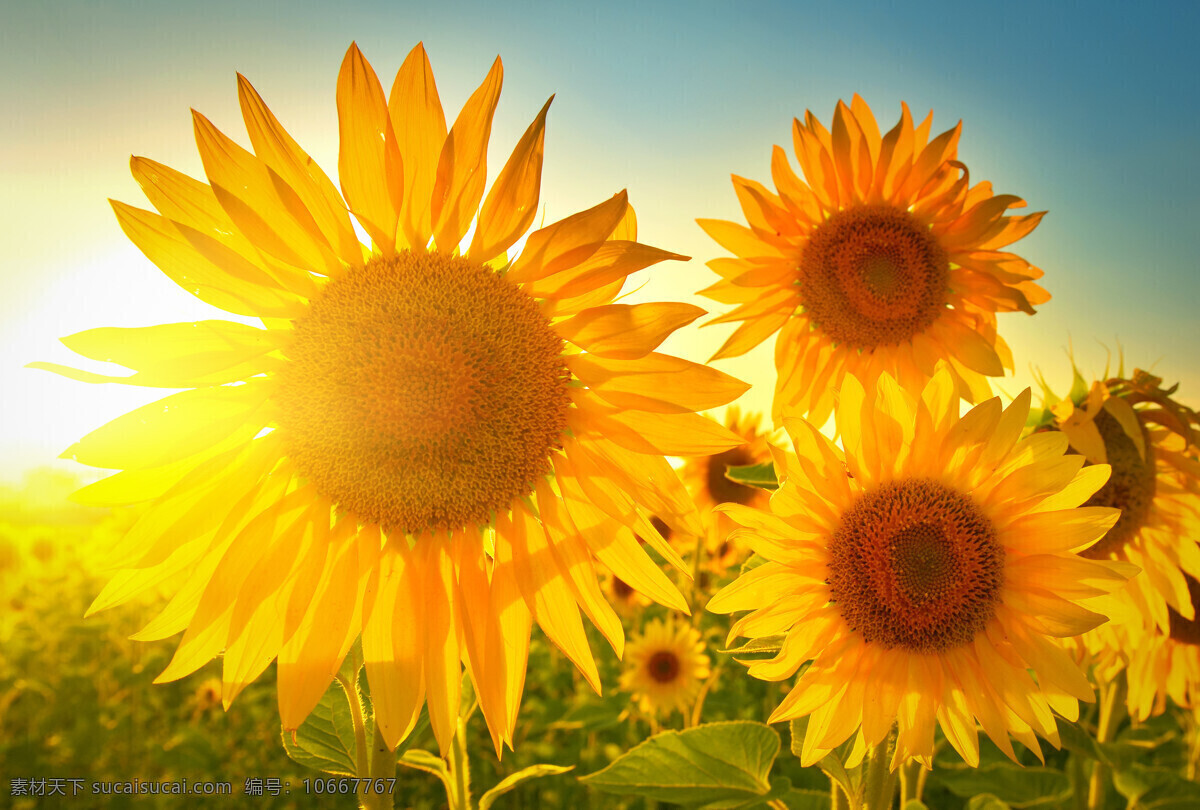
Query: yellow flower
x=1149, y=441
x=705, y=479
x=665, y=667
x=429, y=443
x=924, y=571
x=883, y=259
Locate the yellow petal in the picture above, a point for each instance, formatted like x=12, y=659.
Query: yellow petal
x=171, y=428
x=1059, y=531
x=609, y=263
x=462, y=166
x=512, y=202
x=572, y=558
x=546, y=593
x=180, y=355
x=680, y=434
x=420, y=128
x=311, y=657
x=507, y=641
x=657, y=382
x=443, y=672
x=265, y=209
x=566, y=243
x=276, y=149
x=369, y=162
x=626, y=331
x=234, y=285
x=394, y=644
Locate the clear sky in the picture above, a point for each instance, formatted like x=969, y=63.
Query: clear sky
x=1088, y=110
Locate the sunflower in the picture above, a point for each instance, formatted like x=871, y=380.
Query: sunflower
x=665, y=667
x=883, y=259
x=923, y=571
x=705, y=479
x=1149, y=440
x=427, y=443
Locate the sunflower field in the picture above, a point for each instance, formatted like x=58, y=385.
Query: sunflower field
x=430, y=516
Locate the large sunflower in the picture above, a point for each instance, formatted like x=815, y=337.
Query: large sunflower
x=423, y=445
x=883, y=259
x=924, y=571
x=1149, y=440
x=665, y=666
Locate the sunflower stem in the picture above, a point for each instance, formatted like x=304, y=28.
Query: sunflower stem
x=837, y=796
x=697, y=559
x=912, y=782
x=460, y=769
x=382, y=766
x=361, y=753
x=1112, y=714
x=880, y=787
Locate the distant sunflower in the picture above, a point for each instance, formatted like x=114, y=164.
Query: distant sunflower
x=1149, y=440
x=924, y=571
x=426, y=446
x=883, y=259
x=665, y=667
x=705, y=479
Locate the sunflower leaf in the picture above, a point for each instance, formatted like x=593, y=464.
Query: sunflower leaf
x=718, y=765
x=757, y=649
x=523, y=775
x=325, y=741
x=984, y=801
x=1014, y=785
x=754, y=475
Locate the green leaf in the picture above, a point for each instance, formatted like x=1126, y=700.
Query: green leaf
x=781, y=788
x=512, y=780
x=1012, y=784
x=808, y=800
x=325, y=741
x=1160, y=788
x=915, y=804
x=422, y=760
x=709, y=765
x=1117, y=755
x=593, y=714
x=754, y=475
x=757, y=649
x=984, y=801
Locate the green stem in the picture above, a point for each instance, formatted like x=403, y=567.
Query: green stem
x=1112, y=713
x=697, y=558
x=460, y=769
x=837, y=796
x=910, y=782
x=360, y=725
x=880, y=787
x=382, y=766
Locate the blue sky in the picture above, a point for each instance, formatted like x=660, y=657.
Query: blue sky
x=1091, y=111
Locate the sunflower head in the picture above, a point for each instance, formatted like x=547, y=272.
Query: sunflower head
x=883, y=258
x=665, y=666
x=909, y=568
x=431, y=442
x=1148, y=438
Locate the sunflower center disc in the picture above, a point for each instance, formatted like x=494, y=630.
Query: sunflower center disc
x=873, y=276
x=721, y=488
x=1130, y=487
x=423, y=392
x=663, y=666
x=916, y=565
